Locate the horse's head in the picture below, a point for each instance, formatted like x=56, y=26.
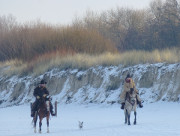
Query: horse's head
x=42, y=102
x=131, y=96
x=131, y=90
x=44, y=99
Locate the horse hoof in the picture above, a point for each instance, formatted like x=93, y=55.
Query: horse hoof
x=39, y=131
x=129, y=123
x=134, y=123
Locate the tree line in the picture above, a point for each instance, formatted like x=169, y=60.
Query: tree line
x=156, y=27
x=31, y=40
x=115, y=30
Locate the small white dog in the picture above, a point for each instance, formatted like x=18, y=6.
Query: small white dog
x=80, y=124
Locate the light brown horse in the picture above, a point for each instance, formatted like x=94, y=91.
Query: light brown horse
x=42, y=112
x=130, y=105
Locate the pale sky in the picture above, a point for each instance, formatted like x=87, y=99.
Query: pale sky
x=61, y=11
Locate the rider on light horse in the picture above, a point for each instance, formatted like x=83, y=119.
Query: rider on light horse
x=39, y=92
x=129, y=85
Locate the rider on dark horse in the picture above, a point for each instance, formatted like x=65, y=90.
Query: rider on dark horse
x=39, y=92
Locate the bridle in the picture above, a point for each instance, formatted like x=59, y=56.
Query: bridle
x=131, y=99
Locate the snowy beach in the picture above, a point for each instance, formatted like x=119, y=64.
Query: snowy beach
x=157, y=119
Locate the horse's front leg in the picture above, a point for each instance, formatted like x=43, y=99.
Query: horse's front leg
x=40, y=124
x=47, y=124
x=35, y=120
x=129, y=123
x=126, y=115
x=135, y=117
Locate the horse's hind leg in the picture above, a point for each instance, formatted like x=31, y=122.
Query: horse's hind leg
x=35, y=120
x=135, y=117
x=126, y=115
x=129, y=119
x=47, y=124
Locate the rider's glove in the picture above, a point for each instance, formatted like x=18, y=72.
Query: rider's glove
x=37, y=97
x=44, y=95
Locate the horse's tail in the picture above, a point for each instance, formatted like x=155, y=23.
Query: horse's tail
x=56, y=108
x=32, y=122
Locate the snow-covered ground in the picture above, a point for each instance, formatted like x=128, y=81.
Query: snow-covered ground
x=157, y=119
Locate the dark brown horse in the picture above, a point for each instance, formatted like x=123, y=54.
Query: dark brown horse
x=43, y=112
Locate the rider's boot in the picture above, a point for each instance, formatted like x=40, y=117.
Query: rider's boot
x=140, y=104
x=32, y=113
x=122, y=105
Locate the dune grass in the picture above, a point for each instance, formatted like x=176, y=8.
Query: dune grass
x=85, y=61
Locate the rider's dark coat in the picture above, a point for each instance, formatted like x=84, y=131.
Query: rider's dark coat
x=40, y=91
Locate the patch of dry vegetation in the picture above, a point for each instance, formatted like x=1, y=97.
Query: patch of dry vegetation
x=28, y=41
x=84, y=61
